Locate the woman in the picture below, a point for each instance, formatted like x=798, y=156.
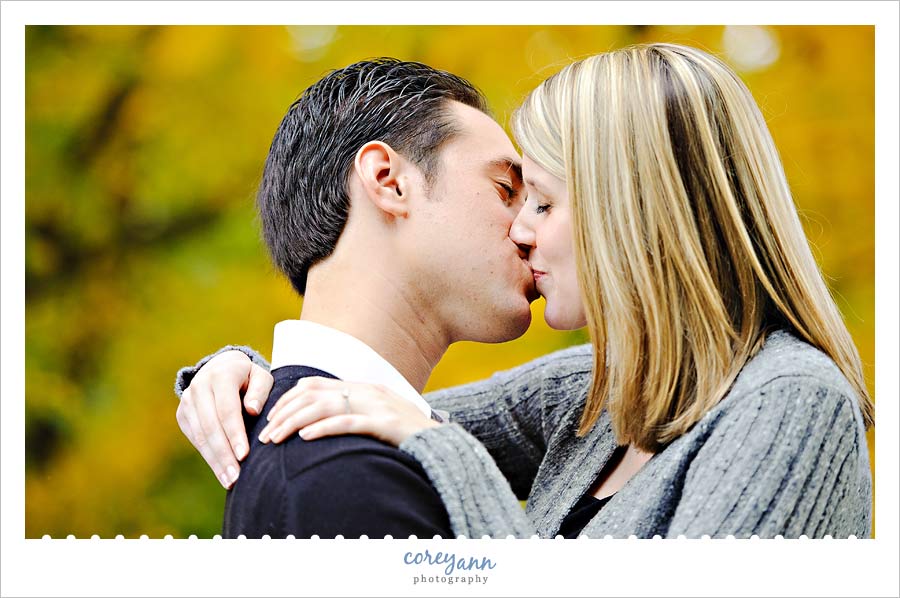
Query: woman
x=728, y=397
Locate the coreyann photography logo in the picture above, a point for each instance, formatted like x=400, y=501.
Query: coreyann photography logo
x=447, y=568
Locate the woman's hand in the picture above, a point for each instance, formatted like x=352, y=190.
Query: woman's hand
x=318, y=407
x=209, y=413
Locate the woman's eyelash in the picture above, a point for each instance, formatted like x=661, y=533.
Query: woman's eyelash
x=542, y=208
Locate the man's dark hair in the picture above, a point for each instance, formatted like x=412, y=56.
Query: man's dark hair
x=303, y=200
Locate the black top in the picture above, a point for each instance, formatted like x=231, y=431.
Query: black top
x=589, y=505
x=581, y=514
x=347, y=485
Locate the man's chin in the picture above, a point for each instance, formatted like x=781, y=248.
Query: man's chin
x=508, y=327
x=518, y=324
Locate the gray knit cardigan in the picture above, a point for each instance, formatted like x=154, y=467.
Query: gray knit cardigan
x=783, y=453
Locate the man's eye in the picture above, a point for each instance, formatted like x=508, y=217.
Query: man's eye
x=508, y=192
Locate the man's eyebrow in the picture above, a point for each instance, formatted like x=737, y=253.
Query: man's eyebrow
x=507, y=166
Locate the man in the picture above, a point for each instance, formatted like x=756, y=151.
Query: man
x=387, y=199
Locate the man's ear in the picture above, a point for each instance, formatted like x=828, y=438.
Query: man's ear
x=381, y=172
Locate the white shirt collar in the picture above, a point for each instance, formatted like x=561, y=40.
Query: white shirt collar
x=301, y=342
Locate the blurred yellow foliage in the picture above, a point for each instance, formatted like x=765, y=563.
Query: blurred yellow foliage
x=143, y=149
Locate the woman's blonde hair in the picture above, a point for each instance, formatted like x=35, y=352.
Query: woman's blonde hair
x=688, y=245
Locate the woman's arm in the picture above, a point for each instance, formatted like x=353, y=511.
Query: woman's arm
x=477, y=496
x=185, y=375
x=514, y=413
x=788, y=459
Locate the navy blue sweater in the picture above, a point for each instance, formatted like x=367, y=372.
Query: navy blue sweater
x=347, y=485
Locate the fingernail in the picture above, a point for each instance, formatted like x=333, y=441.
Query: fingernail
x=232, y=474
x=254, y=405
x=223, y=479
x=241, y=450
x=264, y=437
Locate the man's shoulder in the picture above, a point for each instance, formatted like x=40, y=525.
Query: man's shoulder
x=354, y=455
x=285, y=377
x=348, y=485
x=357, y=485
x=299, y=457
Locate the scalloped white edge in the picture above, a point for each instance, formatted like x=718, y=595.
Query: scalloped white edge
x=268, y=538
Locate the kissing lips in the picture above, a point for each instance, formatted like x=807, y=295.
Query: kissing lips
x=539, y=276
x=531, y=291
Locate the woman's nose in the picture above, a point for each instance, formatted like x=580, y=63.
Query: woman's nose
x=521, y=231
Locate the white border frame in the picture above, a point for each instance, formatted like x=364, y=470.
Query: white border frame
x=524, y=567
